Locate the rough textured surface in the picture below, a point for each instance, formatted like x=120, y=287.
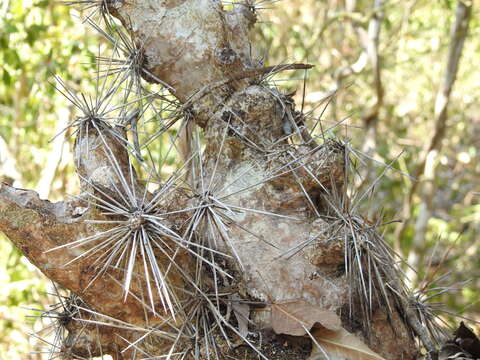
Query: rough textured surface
x=271, y=190
x=189, y=44
x=252, y=179
x=35, y=226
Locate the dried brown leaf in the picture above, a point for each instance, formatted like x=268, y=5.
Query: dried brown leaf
x=464, y=345
x=298, y=316
x=466, y=338
x=341, y=345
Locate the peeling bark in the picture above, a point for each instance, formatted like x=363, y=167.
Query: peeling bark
x=190, y=44
x=271, y=201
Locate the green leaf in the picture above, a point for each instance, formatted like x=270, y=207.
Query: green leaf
x=34, y=32
x=12, y=59
x=42, y=4
x=10, y=28
x=7, y=79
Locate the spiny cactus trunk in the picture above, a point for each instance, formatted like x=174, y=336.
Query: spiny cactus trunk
x=261, y=256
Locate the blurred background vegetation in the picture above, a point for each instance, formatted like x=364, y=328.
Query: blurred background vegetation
x=39, y=38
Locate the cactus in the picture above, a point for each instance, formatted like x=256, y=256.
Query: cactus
x=252, y=249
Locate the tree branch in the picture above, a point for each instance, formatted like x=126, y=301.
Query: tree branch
x=36, y=226
x=425, y=170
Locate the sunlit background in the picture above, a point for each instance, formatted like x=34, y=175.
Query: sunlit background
x=42, y=38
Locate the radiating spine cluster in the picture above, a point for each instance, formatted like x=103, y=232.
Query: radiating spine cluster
x=144, y=234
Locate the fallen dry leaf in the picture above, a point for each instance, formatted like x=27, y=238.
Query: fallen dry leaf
x=297, y=317
x=465, y=344
x=340, y=345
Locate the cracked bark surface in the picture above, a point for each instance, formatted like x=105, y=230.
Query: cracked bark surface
x=190, y=45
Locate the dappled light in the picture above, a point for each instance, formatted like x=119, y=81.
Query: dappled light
x=316, y=181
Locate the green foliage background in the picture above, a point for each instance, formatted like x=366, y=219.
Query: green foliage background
x=41, y=38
